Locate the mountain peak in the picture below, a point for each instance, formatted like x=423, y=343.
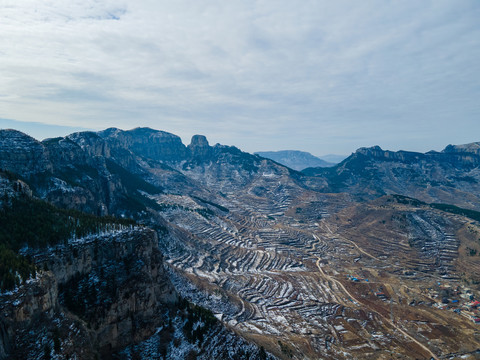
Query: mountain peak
x=15, y=135
x=147, y=142
x=144, y=130
x=110, y=132
x=373, y=150
x=21, y=153
x=199, y=146
x=199, y=140
x=473, y=148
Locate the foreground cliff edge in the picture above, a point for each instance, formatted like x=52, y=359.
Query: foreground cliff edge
x=99, y=295
x=95, y=288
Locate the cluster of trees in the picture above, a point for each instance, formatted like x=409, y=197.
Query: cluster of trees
x=8, y=175
x=14, y=269
x=27, y=222
x=285, y=349
x=199, y=321
x=35, y=223
x=220, y=207
x=471, y=252
x=87, y=298
x=205, y=212
x=133, y=202
x=472, y=214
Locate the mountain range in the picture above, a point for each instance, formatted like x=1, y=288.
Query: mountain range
x=297, y=160
x=234, y=255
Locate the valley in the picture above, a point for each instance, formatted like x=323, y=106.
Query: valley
x=321, y=289
x=377, y=257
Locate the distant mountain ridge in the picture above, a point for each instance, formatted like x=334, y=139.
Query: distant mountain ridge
x=295, y=159
x=107, y=172
x=450, y=176
x=101, y=172
x=333, y=158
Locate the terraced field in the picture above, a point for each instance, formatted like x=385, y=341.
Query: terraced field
x=308, y=276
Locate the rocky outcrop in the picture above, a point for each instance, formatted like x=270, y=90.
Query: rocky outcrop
x=458, y=156
x=199, y=147
x=112, y=289
x=12, y=187
x=473, y=148
x=64, y=151
x=110, y=172
x=451, y=176
x=148, y=143
x=378, y=152
x=21, y=307
x=91, y=143
x=22, y=154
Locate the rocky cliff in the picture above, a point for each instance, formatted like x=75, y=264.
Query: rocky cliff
x=451, y=176
x=110, y=172
x=22, y=154
x=472, y=148
x=199, y=147
x=147, y=143
x=98, y=295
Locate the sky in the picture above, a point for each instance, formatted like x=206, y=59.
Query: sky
x=318, y=76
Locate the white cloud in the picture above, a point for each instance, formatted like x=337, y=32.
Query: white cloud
x=303, y=75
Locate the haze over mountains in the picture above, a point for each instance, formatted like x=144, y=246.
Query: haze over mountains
x=374, y=256
x=297, y=160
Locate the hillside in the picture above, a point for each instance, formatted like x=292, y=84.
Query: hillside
x=74, y=285
x=450, y=176
x=376, y=255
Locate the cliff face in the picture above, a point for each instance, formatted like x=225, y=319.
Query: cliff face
x=199, y=147
x=457, y=156
x=20, y=309
x=473, y=148
x=111, y=290
x=22, y=154
x=148, y=143
x=450, y=176
x=110, y=172
x=91, y=143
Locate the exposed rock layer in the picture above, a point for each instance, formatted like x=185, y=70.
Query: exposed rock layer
x=125, y=272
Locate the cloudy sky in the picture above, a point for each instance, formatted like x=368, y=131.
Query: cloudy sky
x=320, y=76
